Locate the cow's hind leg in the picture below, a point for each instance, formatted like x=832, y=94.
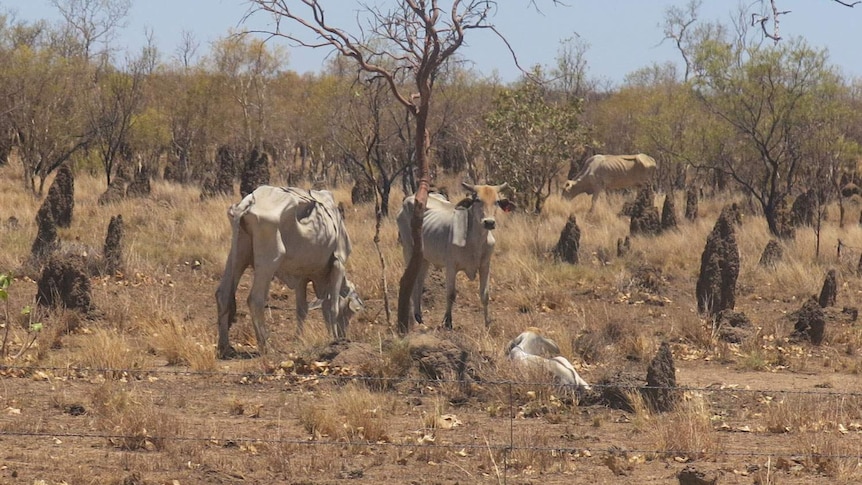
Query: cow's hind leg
x=267, y=260
x=238, y=260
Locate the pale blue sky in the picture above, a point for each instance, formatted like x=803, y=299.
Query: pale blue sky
x=624, y=35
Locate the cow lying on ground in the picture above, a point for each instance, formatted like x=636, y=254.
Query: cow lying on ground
x=610, y=172
x=457, y=237
x=530, y=348
x=297, y=236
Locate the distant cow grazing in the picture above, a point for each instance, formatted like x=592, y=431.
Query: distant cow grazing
x=610, y=172
x=457, y=237
x=297, y=236
x=532, y=349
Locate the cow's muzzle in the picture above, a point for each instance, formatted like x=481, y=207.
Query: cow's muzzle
x=489, y=224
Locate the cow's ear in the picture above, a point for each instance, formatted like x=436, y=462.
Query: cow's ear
x=465, y=203
x=507, y=205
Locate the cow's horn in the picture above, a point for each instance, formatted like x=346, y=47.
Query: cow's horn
x=470, y=187
x=503, y=186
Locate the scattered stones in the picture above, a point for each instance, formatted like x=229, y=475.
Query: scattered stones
x=648, y=278
x=850, y=189
x=64, y=283
x=624, y=246
x=617, y=389
x=772, y=254
x=784, y=221
x=829, y=292
x=46, y=241
x=691, y=475
x=255, y=172
x=363, y=191
x=660, y=393
x=733, y=327
x=668, y=213
x=113, y=249
x=140, y=184
x=628, y=209
x=691, y=203
x=222, y=182
x=61, y=196
x=645, y=217
x=359, y=357
x=719, y=266
x=567, y=246
x=810, y=323
x=115, y=192
x=803, y=212
x=437, y=358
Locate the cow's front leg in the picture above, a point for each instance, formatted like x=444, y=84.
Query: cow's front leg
x=595, y=198
x=451, y=273
x=332, y=300
x=484, y=291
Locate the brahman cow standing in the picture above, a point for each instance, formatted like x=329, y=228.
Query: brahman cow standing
x=532, y=349
x=610, y=172
x=297, y=236
x=457, y=237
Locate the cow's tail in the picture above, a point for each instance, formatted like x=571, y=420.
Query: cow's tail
x=235, y=214
x=236, y=211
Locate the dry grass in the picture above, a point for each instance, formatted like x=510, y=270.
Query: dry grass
x=595, y=311
x=353, y=413
x=180, y=346
x=686, y=432
x=111, y=352
x=133, y=422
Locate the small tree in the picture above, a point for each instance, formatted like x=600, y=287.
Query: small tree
x=775, y=99
x=419, y=37
x=529, y=138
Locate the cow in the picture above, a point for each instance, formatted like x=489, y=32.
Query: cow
x=297, y=236
x=457, y=237
x=610, y=172
x=532, y=349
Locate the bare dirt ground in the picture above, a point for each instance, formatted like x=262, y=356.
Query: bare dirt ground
x=239, y=425
x=771, y=411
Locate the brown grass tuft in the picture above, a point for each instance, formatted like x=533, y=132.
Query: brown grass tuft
x=132, y=422
x=108, y=351
x=351, y=413
x=687, y=432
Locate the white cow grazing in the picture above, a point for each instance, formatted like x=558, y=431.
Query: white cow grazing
x=532, y=349
x=457, y=237
x=610, y=172
x=297, y=236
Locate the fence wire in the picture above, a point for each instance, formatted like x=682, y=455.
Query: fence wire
x=251, y=377
x=140, y=376
x=502, y=447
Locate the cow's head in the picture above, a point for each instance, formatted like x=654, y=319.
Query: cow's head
x=485, y=200
x=570, y=189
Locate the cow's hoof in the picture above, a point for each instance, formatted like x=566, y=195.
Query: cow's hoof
x=418, y=318
x=228, y=353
